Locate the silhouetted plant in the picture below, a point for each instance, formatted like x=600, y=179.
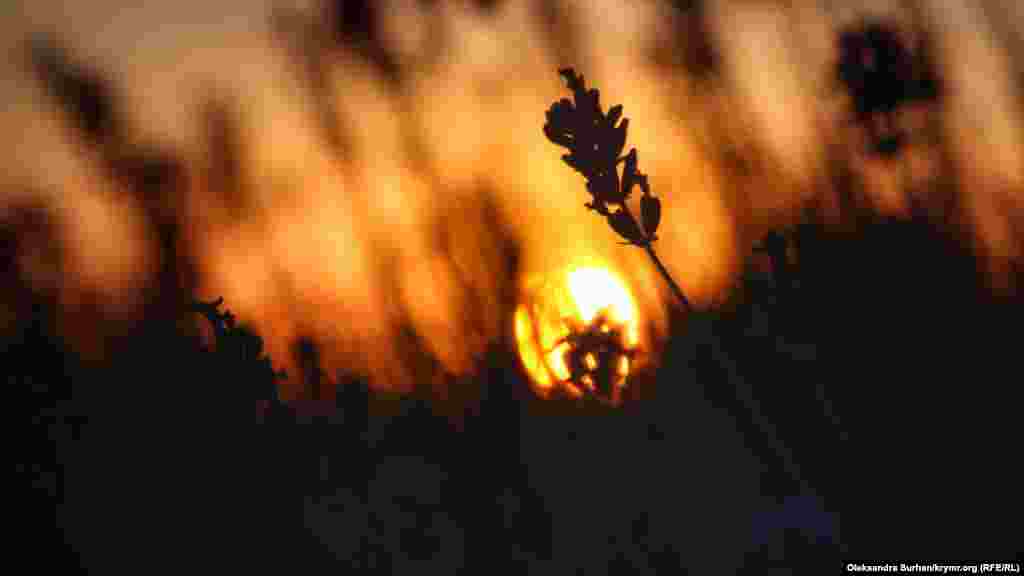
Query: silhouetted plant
x=882, y=75
x=595, y=141
x=782, y=245
x=238, y=346
x=595, y=354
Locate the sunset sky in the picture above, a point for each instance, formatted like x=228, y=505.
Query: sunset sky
x=348, y=243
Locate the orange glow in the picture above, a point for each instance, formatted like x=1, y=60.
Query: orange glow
x=406, y=224
x=548, y=311
x=528, y=352
x=595, y=288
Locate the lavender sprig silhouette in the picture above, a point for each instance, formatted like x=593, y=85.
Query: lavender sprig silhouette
x=595, y=141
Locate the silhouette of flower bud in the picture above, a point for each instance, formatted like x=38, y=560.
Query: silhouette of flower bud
x=627, y=227
x=650, y=214
x=597, y=357
x=595, y=141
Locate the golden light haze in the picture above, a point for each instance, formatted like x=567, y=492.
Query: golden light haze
x=350, y=244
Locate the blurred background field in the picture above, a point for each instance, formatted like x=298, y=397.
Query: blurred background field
x=368, y=187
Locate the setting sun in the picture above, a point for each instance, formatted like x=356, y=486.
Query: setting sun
x=594, y=289
x=574, y=327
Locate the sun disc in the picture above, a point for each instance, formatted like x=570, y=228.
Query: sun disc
x=585, y=299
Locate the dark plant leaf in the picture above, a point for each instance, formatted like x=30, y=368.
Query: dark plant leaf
x=627, y=227
x=650, y=213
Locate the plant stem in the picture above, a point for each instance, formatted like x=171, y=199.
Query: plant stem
x=668, y=278
x=676, y=290
x=743, y=392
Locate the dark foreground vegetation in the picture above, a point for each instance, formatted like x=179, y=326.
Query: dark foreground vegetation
x=878, y=364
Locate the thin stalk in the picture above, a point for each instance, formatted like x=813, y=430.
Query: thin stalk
x=743, y=391
x=676, y=290
x=668, y=278
x=584, y=128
